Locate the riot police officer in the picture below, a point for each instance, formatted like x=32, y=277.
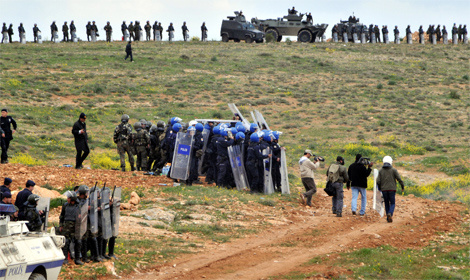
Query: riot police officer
x=32, y=215
x=67, y=219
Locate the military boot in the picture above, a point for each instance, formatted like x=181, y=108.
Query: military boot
x=104, y=246
x=123, y=169
x=77, y=252
x=95, y=256
x=84, y=251
x=112, y=242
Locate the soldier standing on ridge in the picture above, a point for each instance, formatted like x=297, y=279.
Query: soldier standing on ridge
x=95, y=29
x=203, y=32
x=185, y=30
x=170, y=30
x=131, y=31
x=396, y=32
x=123, y=140
x=459, y=32
x=377, y=34
x=10, y=32
x=438, y=32
x=421, y=34
x=137, y=30
x=81, y=140
x=123, y=29
x=155, y=28
x=109, y=30
x=35, y=32
x=6, y=122
x=72, y=27
x=4, y=32
x=21, y=31
x=88, y=31
x=65, y=32
x=384, y=33
x=148, y=28
x=53, y=29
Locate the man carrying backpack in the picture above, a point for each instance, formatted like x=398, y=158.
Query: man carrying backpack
x=337, y=175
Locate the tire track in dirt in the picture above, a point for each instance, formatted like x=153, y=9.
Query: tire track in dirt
x=283, y=249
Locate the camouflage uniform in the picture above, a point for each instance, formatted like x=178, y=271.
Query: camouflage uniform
x=31, y=215
x=68, y=218
x=123, y=138
x=147, y=28
x=141, y=142
x=109, y=31
x=156, y=155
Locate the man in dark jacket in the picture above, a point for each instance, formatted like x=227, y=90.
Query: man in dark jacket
x=129, y=51
x=6, y=123
x=65, y=31
x=32, y=215
x=23, y=195
x=387, y=184
x=337, y=175
x=358, y=174
x=10, y=32
x=21, y=31
x=36, y=30
x=54, y=30
x=6, y=185
x=81, y=140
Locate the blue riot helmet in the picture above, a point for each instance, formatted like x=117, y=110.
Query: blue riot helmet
x=207, y=126
x=176, y=127
x=253, y=127
x=260, y=133
x=239, y=135
x=191, y=130
x=199, y=127
x=223, y=132
x=254, y=138
x=238, y=123
x=267, y=135
x=216, y=130
x=175, y=120
x=223, y=126
x=234, y=130
x=276, y=134
x=241, y=128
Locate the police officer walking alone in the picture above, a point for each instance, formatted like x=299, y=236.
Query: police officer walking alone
x=81, y=141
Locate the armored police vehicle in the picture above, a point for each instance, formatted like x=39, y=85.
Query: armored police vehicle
x=353, y=26
x=291, y=25
x=28, y=255
x=237, y=28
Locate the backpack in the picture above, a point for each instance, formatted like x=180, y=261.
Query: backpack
x=333, y=173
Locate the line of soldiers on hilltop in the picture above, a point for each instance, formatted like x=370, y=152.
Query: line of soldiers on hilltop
x=154, y=146
x=459, y=34
x=130, y=32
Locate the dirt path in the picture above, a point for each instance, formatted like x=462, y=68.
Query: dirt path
x=283, y=249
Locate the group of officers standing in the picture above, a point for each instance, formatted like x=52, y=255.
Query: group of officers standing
x=130, y=32
x=459, y=34
x=154, y=146
x=75, y=220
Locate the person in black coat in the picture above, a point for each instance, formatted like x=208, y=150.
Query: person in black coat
x=81, y=140
x=358, y=174
x=23, y=195
x=129, y=51
x=6, y=123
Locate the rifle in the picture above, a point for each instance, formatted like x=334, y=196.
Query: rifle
x=112, y=195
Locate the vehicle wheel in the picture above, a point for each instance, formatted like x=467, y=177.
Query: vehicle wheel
x=236, y=40
x=279, y=38
x=273, y=32
x=259, y=41
x=304, y=36
x=248, y=39
x=37, y=276
x=225, y=38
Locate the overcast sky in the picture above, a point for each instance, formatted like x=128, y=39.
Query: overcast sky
x=380, y=12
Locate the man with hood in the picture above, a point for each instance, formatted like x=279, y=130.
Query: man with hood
x=387, y=184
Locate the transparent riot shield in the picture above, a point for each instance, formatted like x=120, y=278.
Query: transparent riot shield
x=372, y=38
x=254, y=118
x=39, y=38
x=421, y=39
x=116, y=212
x=204, y=36
x=409, y=39
x=238, y=168
x=268, y=179
x=93, y=201
x=465, y=39
x=186, y=36
x=235, y=110
x=386, y=39
x=81, y=222
x=106, y=228
x=126, y=35
x=44, y=204
x=434, y=39
x=171, y=35
x=23, y=38
x=354, y=37
x=454, y=39
x=93, y=36
x=5, y=38
x=74, y=36
x=181, y=156
x=335, y=37
x=284, y=175
x=261, y=121
x=363, y=38
x=345, y=37
x=445, y=40
x=205, y=135
x=55, y=37
x=141, y=38
x=156, y=34
x=397, y=40
x=378, y=201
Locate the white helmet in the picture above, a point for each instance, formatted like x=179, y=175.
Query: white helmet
x=388, y=159
x=192, y=123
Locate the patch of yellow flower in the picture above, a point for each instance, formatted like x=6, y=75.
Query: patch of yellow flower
x=26, y=159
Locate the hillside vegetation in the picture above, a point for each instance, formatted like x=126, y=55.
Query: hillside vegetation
x=410, y=102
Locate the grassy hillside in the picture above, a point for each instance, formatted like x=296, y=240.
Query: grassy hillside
x=411, y=102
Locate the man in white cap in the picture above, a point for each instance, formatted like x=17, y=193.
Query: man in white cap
x=387, y=183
